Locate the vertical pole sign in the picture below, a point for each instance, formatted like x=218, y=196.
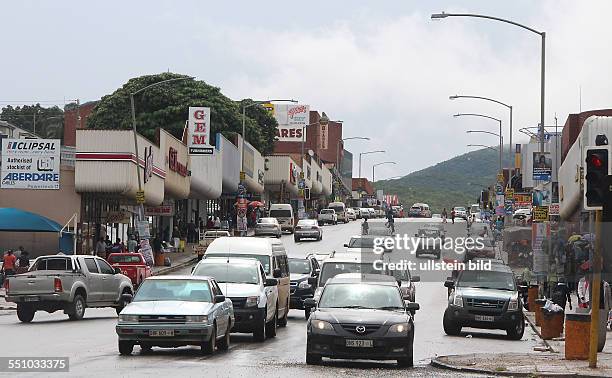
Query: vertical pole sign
x=199, y=131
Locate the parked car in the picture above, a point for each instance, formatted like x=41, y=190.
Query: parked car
x=209, y=236
x=364, y=213
x=307, y=229
x=268, y=226
x=430, y=242
x=253, y=296
x=300, y=271
x=350, y=214
x=357, y=211
x=132, y=265
x=406, y=283
x=68, y=283
x=521, y=214
x=419, y=210
x=283, y=212
x=363, y=244
x=486, y=299
x=342, y=327
x=328, y=216
x=460, y=212
x=172, y=311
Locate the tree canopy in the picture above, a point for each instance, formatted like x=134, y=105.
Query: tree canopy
x=167, y=106
x=46, y=122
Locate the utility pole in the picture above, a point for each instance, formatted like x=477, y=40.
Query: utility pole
x=595, y=291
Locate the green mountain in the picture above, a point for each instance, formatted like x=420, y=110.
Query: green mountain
x=454, y=182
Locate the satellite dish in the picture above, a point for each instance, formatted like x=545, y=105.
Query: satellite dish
x=311, y=153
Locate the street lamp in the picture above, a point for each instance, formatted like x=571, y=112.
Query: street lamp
x=132, y=94
x=501, y=146
x=437, y=16
x=338, y=149
x=366, y=153
x=483, y=145
x=501, y=143
x=244, y=108
x=376, y=165
x=500, y=103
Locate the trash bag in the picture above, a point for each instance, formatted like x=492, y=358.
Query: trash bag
x=552, y=307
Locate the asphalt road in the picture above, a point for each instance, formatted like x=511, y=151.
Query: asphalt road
x=91, y=343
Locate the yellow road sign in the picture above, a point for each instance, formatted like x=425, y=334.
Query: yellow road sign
x=140, y=196
x=242, y=176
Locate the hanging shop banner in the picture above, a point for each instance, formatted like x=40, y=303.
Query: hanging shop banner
x=30, y=164
x=323, y=136
x=540, y=213
x=164, y=210
x=522, y=200
x=199, y=131
x=542, y=166
x=553, y=209
x=292, y=120
x=143, y=229
x=540, y=232
x=117, y=216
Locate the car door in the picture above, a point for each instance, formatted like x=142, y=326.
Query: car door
x=94, y=280
x=110, y=281
x=271, y=295
x=220, y=310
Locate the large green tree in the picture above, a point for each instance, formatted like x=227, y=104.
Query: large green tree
x=46, y=122
x=167, y=106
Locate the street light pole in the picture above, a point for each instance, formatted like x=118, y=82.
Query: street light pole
x=501, y=146
x=376, y=165
x=501, y=143
x=365, y=153
x=438, y=16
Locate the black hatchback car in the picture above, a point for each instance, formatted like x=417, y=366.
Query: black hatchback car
x=300, y=270
x=361, y=316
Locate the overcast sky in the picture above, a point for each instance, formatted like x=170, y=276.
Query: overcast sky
x=383, y=67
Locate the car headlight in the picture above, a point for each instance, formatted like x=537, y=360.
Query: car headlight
x=458, y=300
x=513, y=305
x=128, y=318
x=400, y=329
x=196, y=319
x=321, y=326
x=251, y=302
x=304, y=285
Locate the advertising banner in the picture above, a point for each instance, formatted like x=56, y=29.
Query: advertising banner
x=540, y=213
x=30, y=164
x=553, y=209
x=292, y=120
x=164, y=210
x=323, y=136
x=542, y=166
x=249, y=160
x=540, y=232
x=198, y=130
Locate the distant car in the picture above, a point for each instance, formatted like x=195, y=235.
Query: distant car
x=362, y=244
x=364, y=213
x=419, y=210
x=268, y=226
x=350, y=214
x=307, y=229
x=172, y=311
x=328, y=216
x=132, y=265
x=430, y=242
x=361, y=316
x=300, y=270
x=357, y=211
x=460, y=212
x=521, y=214
x=209, y=236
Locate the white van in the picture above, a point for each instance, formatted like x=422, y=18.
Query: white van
x=340, y=209
x=272, y=256
x=283, y=212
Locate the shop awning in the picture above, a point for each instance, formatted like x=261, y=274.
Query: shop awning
x=17, y=220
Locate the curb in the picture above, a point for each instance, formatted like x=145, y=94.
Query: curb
x=178, y=266
x=535, y=329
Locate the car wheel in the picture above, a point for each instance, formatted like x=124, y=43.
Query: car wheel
x=271, y=326
x=516, y=331
x=145, y=348
x=125, y=347
x=320, y=237
x=296, y=239
x=259, y=334
x=407, y=361
x=25, y=312
x=76, y=309
x=282, y=322
x=450, y=328
x=307, y=313
x=312, y=359
x=208, y=347
x=224, y=343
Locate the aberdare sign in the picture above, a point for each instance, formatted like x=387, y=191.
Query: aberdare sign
x=30, y=164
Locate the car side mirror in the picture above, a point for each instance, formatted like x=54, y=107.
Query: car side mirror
x=316, y=273
x=310, y=303
x=415, y=278
x=271, y=282
x=117, y=270
x=127, y=298
x=312, y=281
x=449, y=283
x=219, y=298
x=276, y=273
x=412, y=306
x=346, y=245
x=192, y=269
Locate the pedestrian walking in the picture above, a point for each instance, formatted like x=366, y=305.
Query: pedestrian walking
x=8, y=263
x=132, y=244
x=444, y=215
x=100, y=249
x=453, y=216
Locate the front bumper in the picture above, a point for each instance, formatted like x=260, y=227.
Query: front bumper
x=385, y=348
x=247, y=319
x=263, y=231
x=297, y=297
x=465, y=318
x=184, y=334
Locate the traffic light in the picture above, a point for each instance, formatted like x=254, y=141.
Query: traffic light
x=597, y=168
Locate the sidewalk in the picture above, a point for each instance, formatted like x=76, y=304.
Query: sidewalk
x=179, y=260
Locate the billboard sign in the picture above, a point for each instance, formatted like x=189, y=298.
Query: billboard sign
x=30, y=164
x=542, y=166
x=292, y=120
x=198, y=138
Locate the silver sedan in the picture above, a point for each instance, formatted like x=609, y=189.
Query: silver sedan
x=268, y=227
x=307, y=228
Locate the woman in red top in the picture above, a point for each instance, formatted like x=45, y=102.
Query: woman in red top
x=8, y=266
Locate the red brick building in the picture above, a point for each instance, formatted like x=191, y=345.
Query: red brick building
x=71, y=122
x=363, y=185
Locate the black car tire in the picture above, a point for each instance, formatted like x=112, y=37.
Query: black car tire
x=125, y=347
x=296, y=239
x=208, y=347
x=271, y=325
x=122, y=303
x=145, y=348
x=320, y=237
x=282, y=322
x=76, y=309
x=224, y=343
x=516, y=331
x=450, y=328
x=313, y=359
x=25, y=312
x=259, y=334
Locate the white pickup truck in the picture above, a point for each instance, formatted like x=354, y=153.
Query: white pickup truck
x=328, y=216
x=68, y=283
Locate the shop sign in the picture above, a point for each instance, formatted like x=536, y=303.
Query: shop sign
x=117, y=216
x=148, y=165
x=160, y=211
x=175, y=165
x=542, y=166
x=198, y=139
x=553, y=209
x=540, y=213
x=30, y=164
x=292, y=121
x=323, y=136
x=140, y=196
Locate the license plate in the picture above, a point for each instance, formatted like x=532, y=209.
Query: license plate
x=161, y=332
x=30, y=299
x=484, y=318
x=360, y=343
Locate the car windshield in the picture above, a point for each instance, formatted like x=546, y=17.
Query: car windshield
x=361, y=243
x=263, y=259
x=131, y=258
x=337, y=208
x=305, y=223
x=229, y=272
x=267, y=220
x=486, y=279
x=332, y=269
x=299, y=266
x=280, y=213
x=173, y=290
x=361, y=295
x=413, y=208
x=327, y=211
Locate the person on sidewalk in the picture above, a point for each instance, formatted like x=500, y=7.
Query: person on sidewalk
x=132, y=244
x=444, y=215
x=100, y=249
x=453, y=216
x=8, y=263
x=561, y=294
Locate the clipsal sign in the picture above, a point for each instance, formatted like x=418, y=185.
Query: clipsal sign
x=175, y=165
